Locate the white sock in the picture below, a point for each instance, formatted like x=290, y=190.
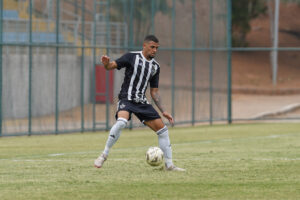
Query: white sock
x=114, y=134
x=165, y=145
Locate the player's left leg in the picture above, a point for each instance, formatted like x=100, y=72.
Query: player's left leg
x=162, y=132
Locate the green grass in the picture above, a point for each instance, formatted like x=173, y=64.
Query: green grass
x=240, y=161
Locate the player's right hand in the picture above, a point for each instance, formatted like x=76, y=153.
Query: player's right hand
x=105, y=60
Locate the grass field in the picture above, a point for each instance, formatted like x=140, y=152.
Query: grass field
x=240, y=161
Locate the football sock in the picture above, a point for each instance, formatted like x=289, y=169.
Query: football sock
x=114, y=134
x=165, y=145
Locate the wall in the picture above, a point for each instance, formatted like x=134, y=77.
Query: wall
x=16, y=84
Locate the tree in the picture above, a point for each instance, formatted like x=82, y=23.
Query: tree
x=142, y=12
x=292, y=1
x=243, y=11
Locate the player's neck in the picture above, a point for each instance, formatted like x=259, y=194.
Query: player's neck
x=146, y=57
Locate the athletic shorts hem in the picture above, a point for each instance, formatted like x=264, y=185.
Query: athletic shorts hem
x=116, y=115
x=146, y=120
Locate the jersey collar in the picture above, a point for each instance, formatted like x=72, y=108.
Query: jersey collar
x=141, y=52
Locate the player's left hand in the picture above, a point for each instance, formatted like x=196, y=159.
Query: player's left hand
x=169, y=117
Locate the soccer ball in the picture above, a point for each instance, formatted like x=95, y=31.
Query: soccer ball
x=154, y=156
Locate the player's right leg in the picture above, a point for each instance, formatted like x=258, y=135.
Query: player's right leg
x=162, y=132
x=114, y=135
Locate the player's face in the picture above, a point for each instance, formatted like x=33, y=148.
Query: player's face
x=150, y=49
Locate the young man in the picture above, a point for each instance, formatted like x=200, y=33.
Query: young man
x=141, y=68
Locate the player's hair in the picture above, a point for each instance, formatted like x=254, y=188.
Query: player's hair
x=149, y=38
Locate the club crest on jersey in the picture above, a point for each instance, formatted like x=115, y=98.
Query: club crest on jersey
x=153, y=70
x=122, y=106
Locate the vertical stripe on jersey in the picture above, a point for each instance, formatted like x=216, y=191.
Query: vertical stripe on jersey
x=141, y=79
x=137, y=78
x=136, y=63
x=147, y=79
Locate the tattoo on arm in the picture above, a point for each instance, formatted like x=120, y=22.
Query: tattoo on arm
x=157, y=99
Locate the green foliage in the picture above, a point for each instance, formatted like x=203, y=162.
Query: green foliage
x=243, y=11
x=239, y=161
x=142, y=12
x=292, y=1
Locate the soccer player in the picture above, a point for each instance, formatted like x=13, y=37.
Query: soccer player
x=140, y=69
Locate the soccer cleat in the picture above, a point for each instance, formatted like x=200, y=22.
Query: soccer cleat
x=174, y=168
x=100, y=160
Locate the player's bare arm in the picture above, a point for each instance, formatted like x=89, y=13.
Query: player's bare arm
x=157, y=99
x=107, y=64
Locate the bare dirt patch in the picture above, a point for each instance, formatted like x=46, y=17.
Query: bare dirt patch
x=253, y=89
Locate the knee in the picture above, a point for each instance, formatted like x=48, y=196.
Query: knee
x=115, y=131
x=121, y=123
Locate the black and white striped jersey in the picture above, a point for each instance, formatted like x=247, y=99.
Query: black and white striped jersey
x=138, y=73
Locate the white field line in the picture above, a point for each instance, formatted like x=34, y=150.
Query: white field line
x=238, y=139
x=187, y=159
x=271, y=159
x=142, y=147
x=28, y=160
x=242, y=159
x=65, y=160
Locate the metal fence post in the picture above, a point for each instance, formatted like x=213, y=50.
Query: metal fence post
x=1, y=45
x=275, y=43
x=173, y=58
x=153, y=10
x=30, y=70
x=94, y=67
x=57, y=68
x=131, y=10
x=193, y=60
x=229, y=99
x=211, y=62
x=82, y=62
x=107, y=72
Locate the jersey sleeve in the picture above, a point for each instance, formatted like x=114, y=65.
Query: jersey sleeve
x=154, y=81
x=123, y=61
